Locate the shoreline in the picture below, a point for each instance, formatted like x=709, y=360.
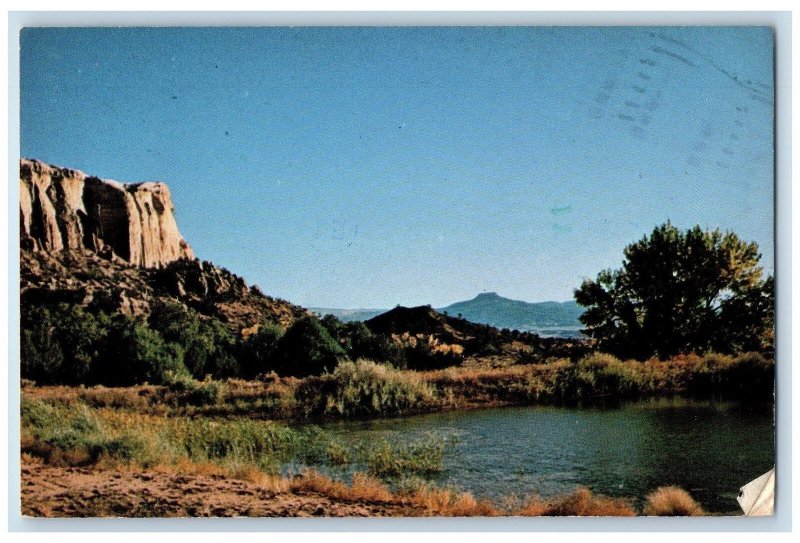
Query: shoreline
x=203, y=491
x=364, y=390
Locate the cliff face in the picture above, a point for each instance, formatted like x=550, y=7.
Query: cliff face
x=103, y=245
x=66, y=210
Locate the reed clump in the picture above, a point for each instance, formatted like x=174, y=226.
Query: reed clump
x=364, y=388
x=671, y=501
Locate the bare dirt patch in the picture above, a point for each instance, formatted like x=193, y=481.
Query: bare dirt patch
x=79, y=492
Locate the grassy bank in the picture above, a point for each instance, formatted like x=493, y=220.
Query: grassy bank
x=71, y=434
x=364, y=389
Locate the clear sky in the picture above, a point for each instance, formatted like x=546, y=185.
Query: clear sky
x=369, y=167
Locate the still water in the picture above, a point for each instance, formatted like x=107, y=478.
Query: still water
x=708, y=448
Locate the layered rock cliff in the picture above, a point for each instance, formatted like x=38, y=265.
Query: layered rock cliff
x=66, y=210
x=116, y=247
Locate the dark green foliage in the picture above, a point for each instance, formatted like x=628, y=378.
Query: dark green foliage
x=307, y=348
x=138, y=354
x=681, y=292
x=749, y=375
x=208, y=347
x=40, y=352
x=359, y=341
x=257, y=352
x=363, y=343
x=749, y=323
x=60, y=343
x=421, y=356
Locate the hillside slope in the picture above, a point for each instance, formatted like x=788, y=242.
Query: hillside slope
x=493, y=309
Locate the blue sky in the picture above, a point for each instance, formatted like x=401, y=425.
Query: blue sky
x=369, y=167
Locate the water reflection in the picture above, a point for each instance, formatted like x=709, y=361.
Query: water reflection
x=708, y=448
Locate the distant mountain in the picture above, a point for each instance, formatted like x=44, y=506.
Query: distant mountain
x=546, y=318
x=347, y=315
x=478, y=341
x=558, y=319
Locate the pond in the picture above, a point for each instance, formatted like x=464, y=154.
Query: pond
x=708, y=448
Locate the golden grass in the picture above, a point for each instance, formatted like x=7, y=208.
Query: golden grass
x=671, y=501
x=581, y=503
x=268, y=481
x=447, y=503
x=363, y=489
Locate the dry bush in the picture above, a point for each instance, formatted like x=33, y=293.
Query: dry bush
x=26, y=459
x=447, y=503
x=137, y=397
x=364, y=487
x=430, y=500
x=369, y=488
x=581, y=503
x=249, y=473
x=672, y=501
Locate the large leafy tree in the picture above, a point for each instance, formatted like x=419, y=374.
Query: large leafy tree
x=307, y=348
x=681, y=291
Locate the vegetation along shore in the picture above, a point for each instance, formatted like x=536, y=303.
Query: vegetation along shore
x=156, y=384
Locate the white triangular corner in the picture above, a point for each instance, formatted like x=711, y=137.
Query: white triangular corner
x=757, y=498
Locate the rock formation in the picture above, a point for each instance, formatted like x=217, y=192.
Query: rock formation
x=66, y=210
x=104, y=245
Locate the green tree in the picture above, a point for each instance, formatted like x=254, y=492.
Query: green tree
x=206, y=344
x=41, y=356
x=678, y=292
x=137, y=354
x=258, y=350
x=60, y=343
x=307, y=348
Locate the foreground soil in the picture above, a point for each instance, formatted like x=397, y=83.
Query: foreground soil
x=78, y=492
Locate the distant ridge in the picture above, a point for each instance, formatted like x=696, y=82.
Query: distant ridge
x=491, y=308
x=347, y=315
x=545, y=318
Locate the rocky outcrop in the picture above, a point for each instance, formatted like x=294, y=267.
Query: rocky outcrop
x=64, y=210
x=84, y=279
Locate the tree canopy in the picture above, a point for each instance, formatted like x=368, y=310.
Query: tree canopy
x=681, y=291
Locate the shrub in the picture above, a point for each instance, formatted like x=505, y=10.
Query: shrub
x=581, y=503
x=138, y=354
x=603, y=374
x=364, y=388
x=60, y=343
x=193, y=392
x=751, y=375
x=710, y=374
x=422, y=457
x=671, y=501
x=427, y=355
x=307, y=348
x=361, y=342
x=258, y=350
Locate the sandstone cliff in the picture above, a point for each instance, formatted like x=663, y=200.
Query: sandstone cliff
x=66, y=210
x=116, y=247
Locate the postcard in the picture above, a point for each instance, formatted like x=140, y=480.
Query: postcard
x=414, y=271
